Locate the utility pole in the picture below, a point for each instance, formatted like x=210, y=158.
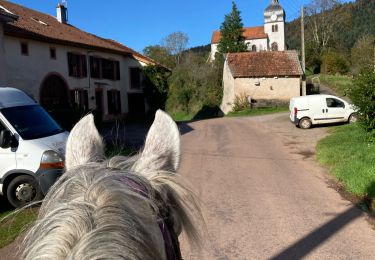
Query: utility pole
x=303, y=51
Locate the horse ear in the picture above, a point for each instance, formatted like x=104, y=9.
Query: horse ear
x=84, y=143
x=162, y=146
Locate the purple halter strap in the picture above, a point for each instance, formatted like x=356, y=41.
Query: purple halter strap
x=171, y=244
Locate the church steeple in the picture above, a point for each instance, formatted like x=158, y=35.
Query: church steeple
x=274, y=26
x=274, y=9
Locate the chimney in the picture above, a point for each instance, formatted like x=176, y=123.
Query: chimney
x=62, y=13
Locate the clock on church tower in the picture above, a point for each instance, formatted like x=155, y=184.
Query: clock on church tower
x=274, y=26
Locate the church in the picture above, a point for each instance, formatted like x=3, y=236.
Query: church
x=269, y=37
x=267, y=74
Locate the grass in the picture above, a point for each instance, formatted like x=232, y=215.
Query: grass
x=337, y=83
x=350, y=153
x=181, y=116
x=257, y=111
x=13, y=222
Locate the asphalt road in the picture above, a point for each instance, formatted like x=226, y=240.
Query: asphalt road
x=263, y=194
x=265, y=197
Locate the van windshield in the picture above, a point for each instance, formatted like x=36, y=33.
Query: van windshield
x=31, y=122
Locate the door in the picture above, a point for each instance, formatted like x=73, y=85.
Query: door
x=335, y=111
x=136, y=104
x=7, y=157
x=99, y=100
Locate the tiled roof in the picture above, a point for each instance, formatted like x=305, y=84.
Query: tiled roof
x=249, y=33
x=264, y=64
x=39, y=26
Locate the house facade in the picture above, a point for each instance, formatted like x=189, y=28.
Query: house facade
x=272, y=77
x=268, y=37
x=59, y=65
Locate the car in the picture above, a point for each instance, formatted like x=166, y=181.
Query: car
x=32, y=148
x=306, y=111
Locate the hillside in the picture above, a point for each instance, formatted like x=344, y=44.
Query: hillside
x=362, y=22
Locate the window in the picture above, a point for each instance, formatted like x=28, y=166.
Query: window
x=95, y=67
x=332, y=102
x=135, y=78
x=274, y=46
x=52, y=53
x=31, y=122
x=108, y=68
x=77, y=65
x=114, y=102
x=79, y=97
x=253, y=48
x=104, y=68
x=24, y=48
x=275, y=28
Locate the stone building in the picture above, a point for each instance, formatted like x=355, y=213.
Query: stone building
x=262, y=77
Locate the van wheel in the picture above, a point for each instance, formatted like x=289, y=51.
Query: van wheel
x=23, y=190
x=304, y=123
x=353, y=118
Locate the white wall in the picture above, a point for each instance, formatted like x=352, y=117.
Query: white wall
x=278, y=37
x=2, y=58
x=261, y=44
x=228, y=94
x=28, y=72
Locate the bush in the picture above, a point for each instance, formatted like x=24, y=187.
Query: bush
x=195, y=84
x=362, y=94
x=335, y=63
x=156, y=87
x=240, y=103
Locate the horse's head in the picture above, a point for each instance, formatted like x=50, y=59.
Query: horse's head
x=113, y=208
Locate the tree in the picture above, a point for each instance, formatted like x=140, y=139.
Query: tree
x=324, y=20
x=363, y=54
x=195, y=84
x=362, y=94
x=176, y=43
x=156, y=90
x=231, y=38
x=160, y=54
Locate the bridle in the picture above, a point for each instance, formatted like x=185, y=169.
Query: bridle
x=164, y=220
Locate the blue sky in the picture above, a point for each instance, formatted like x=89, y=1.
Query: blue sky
x=141, y=23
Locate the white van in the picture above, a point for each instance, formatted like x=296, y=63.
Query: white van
x=32, y=148
x=311, y=110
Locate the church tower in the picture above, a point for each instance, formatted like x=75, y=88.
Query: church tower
x=274, y=26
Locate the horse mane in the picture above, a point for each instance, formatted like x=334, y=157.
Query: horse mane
x=92, y=212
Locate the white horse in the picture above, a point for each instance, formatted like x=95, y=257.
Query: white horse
x=121, y=208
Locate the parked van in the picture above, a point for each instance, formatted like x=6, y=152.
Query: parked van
x=32, y=148
x=311, y=110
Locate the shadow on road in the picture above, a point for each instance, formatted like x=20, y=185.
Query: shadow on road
x=307, y=244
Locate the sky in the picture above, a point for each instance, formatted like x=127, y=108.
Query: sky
x=141, y=23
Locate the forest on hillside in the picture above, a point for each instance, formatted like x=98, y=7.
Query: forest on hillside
x=335, y=34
